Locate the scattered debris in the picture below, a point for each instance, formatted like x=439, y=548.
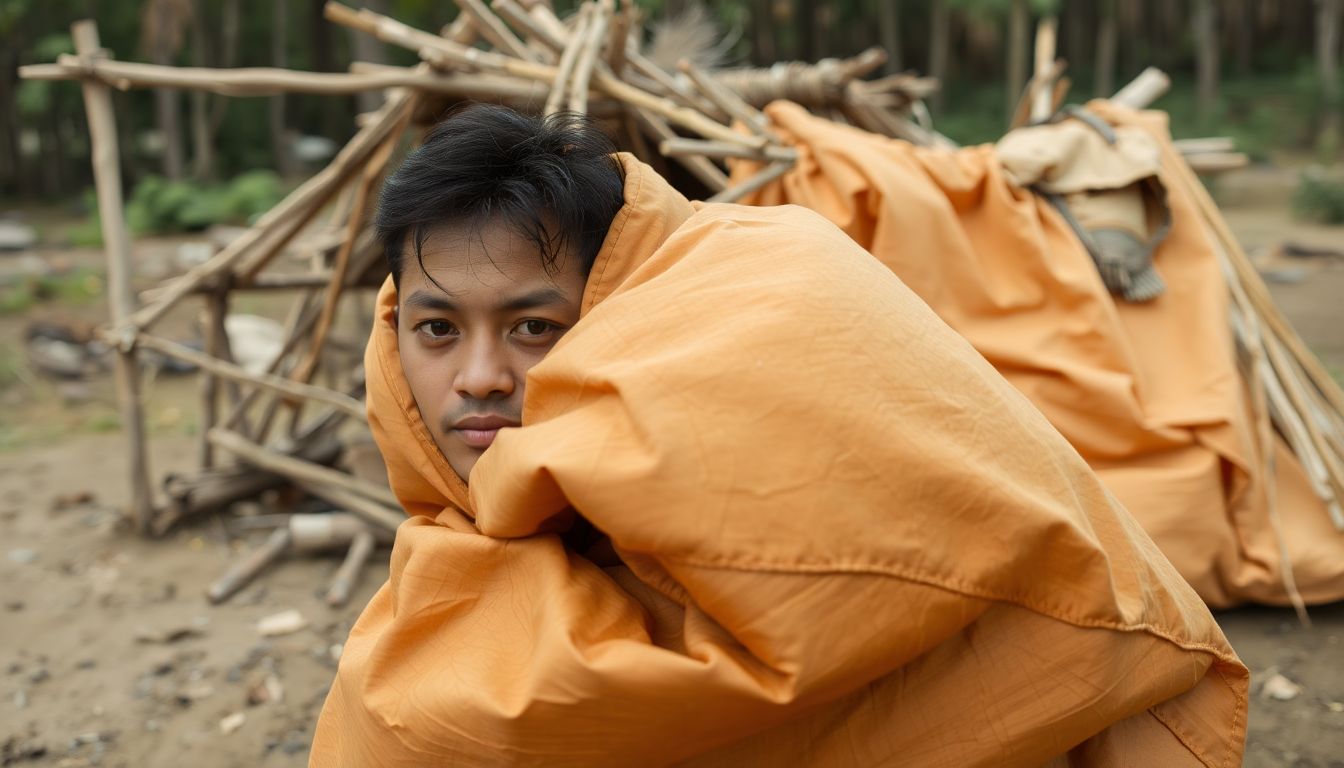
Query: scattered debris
x=1280, y=688
x=23, y=556
x=1301, y=251
x=268, y=690
x=20, y=748
x=232, y=723
x=1284, y=275
x=255, y=341
x=65, y=348
x=283, y=623
x=193, y=693
x=16, y=236
x=66, y=501
x=167, y=635
x=1335, y=706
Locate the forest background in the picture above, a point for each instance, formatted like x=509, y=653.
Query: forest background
x=1264, y=72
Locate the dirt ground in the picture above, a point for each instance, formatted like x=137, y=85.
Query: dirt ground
x=110, y=654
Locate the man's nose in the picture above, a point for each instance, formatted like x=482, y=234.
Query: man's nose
x=485, y=372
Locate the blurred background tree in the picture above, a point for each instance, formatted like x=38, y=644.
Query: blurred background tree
x=1263, y=71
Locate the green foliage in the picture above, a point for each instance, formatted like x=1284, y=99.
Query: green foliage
x=1319, y=198
x=158, y=205
x=73, y=288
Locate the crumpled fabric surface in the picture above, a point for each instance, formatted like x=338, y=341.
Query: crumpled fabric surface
x=1149, y=394
x=831, y=535
x=1105, y=182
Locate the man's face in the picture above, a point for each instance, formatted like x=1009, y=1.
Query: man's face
x=468, y=342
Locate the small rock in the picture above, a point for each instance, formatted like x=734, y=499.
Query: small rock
x=255, y=341
x=74, y=392
x=18, y=749
x=294, y=743
x=16, y=236
x=14, y=606
x=65, y=501
x=194, y=693
x=163, y=668
x=40, y=676
x=283, y=623
x=193, y=254
x=232, y=723
x=335, y=651
x=86, y=664
x=269, y=689
x=1280, y=688
x=1336, y=706
x=20, y=699
x=165, y=635
x=22, y=556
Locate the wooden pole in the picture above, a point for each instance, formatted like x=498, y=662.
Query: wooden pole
x=116, y=241
x=763, y=177
x=568, y=59
x=1144, y=89
x=286, y=387
x=1042, y=102
x=241, y=573
x=373, y=171
x=591, y=46
x=343, y=583
x=298, y=469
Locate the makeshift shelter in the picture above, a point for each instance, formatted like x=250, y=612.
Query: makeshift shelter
x=1197, y=457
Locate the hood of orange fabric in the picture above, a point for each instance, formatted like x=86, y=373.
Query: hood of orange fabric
x=419, y=474
x=843, y=539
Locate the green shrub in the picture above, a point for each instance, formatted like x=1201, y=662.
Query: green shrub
x=1319, y=198
x=159, y=206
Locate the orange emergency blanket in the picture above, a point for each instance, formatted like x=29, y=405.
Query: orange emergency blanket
x=832, y=535
x=1149, y=393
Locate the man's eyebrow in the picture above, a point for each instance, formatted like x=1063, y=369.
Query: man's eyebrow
x=541, y=297
x=432, y=301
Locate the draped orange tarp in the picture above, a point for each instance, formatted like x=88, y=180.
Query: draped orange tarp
x=831, y=535
x=1149, y=394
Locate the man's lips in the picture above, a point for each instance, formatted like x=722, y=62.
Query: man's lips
x=479, y=431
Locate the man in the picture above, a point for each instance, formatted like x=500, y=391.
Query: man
x=708, y=484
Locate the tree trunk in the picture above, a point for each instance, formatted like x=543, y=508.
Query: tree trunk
x=803, y=30
x=1019, y=18
x=12, y=178
x=939, y=41
x=284, y=163
x=366, y=47
x=165, y=102
x=1104, y=68
x=763, y=32
x=1327, y=64
x=203, y=147
x=227, y=56
x=334, y=119
x=889, y=24
x=1204, y=26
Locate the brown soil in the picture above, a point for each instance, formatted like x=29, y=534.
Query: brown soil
x=78, y=688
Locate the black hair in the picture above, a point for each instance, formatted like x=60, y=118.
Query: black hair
x=554, y=180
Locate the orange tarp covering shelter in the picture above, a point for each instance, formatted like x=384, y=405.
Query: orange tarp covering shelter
x=824, y=532
x=1149, y=394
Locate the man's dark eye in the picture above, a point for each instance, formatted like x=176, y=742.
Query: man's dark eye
x=535, y=327
x=436, y=328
